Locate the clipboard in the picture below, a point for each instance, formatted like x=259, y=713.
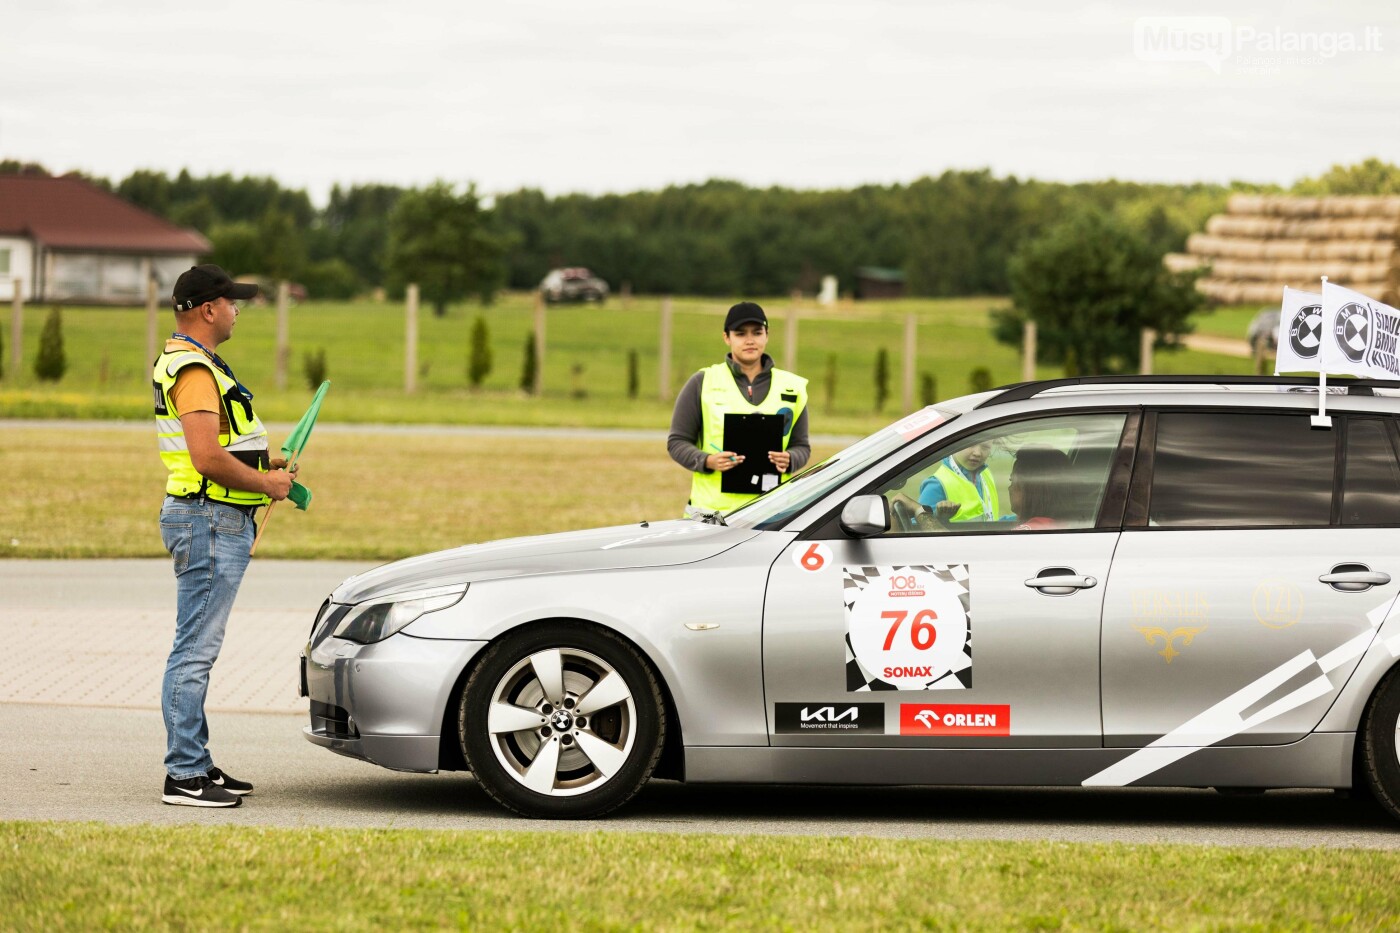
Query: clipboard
x=752, y=436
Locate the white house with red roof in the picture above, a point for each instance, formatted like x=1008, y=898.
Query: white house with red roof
x=68, y=240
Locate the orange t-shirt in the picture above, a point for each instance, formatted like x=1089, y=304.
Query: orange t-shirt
x=195, y=388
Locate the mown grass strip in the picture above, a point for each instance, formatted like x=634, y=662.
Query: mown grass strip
x=96, y=492
x=86, y=876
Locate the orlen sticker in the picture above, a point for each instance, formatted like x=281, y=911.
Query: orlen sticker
x=811, y=557
x=953, y=719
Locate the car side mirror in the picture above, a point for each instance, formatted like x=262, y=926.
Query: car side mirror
x=865, y=516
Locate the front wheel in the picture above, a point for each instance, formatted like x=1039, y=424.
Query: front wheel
x=1380, y=743
x=562, y=720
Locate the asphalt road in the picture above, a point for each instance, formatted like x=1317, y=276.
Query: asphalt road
x=72, y=752
x=69, y=763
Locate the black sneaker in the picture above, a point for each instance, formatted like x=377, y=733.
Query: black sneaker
x=230, y=783
x=197, y=791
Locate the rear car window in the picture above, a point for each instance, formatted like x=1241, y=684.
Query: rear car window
x=1238, y=469
x=1371, y=491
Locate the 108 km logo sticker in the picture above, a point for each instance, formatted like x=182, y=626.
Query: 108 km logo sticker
x=908, y=628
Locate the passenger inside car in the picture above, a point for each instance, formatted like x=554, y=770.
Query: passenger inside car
x=1039, y=488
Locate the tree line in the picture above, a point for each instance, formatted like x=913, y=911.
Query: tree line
x=953, y=234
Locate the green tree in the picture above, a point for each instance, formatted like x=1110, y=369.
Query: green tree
x=443, y=241
x=1091, y=283
x=237, y=248
x=479, y=358
x=283, y=245
x=52, y=362
x=330, y=279
x=1369, y=177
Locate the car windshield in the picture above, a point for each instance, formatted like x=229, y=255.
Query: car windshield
x=775, y=508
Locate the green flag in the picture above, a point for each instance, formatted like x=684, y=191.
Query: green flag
x=296, y=443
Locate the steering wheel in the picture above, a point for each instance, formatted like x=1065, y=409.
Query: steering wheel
x=903, y=518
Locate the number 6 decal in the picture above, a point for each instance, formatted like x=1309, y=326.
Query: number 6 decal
x=812, y=558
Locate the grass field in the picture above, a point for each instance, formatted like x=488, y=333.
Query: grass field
x=84, y=876
x=380, y=495
x=586, y=361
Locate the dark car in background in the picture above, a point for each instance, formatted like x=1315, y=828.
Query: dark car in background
x=573, y=284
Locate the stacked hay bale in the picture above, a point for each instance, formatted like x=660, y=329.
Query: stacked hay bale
x=1264, y=242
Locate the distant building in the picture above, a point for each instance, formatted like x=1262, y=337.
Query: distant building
x=879, y=282
x=68, y=240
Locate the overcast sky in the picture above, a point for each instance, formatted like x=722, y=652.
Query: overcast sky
x=615, y=95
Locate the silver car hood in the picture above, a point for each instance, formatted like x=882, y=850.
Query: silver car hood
x=658, y=544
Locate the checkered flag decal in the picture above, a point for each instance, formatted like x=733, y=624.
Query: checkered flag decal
x=856, y=579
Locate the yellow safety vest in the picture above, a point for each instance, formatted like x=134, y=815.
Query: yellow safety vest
x=246, y=438
x=963, y=491
x=719, y=395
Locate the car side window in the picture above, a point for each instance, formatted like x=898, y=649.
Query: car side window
x=1371, y=489
x=1046, y=474
x=1240, y=469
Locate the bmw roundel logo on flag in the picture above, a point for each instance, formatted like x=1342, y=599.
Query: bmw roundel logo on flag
x=1339, y=332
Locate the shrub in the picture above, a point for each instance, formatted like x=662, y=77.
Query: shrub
x=51, y=363
x=527, y=369
x=928, y=389
x=980, y=379
x=882, y=379
x=313, y=366
x=633, y=379
x=479, y=359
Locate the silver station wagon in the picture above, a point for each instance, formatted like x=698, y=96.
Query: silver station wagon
x=1108, y=581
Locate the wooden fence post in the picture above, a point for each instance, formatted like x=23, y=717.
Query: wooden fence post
x=664, y=352
x=284, y=349
x=17, y=329
x=410, y=354
x=1028, y=351
x=152, y=298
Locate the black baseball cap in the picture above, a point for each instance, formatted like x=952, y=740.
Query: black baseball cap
x=745, y=312
x=208, y=283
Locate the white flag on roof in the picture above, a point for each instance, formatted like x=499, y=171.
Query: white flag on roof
x=1359, y=335
x=1299, y=333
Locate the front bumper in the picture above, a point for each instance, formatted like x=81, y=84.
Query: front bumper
x=384, y=703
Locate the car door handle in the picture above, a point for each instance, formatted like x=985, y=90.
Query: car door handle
x=1060, y=585
x=1354, y=581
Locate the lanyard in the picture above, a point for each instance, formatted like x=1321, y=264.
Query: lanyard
x=977, y=486
x=216, y=360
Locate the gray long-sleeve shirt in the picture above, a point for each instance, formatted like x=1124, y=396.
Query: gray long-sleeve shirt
x=687, y=420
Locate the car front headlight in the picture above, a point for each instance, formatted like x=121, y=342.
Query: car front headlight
x=375, y=620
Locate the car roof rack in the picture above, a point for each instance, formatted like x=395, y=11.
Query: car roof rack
x=1021, y=391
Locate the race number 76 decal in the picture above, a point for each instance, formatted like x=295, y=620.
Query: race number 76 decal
x=908, y=627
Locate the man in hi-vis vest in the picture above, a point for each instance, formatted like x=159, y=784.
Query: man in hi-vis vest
x=746, y=382
x=216, y=452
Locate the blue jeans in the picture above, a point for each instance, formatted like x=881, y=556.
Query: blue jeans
x=209, y=542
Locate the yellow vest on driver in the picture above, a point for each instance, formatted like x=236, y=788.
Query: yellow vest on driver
x=720, y=395
x=246, y=438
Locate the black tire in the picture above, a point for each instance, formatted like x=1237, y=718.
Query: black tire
x=601, y=756
x=1380, y=762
